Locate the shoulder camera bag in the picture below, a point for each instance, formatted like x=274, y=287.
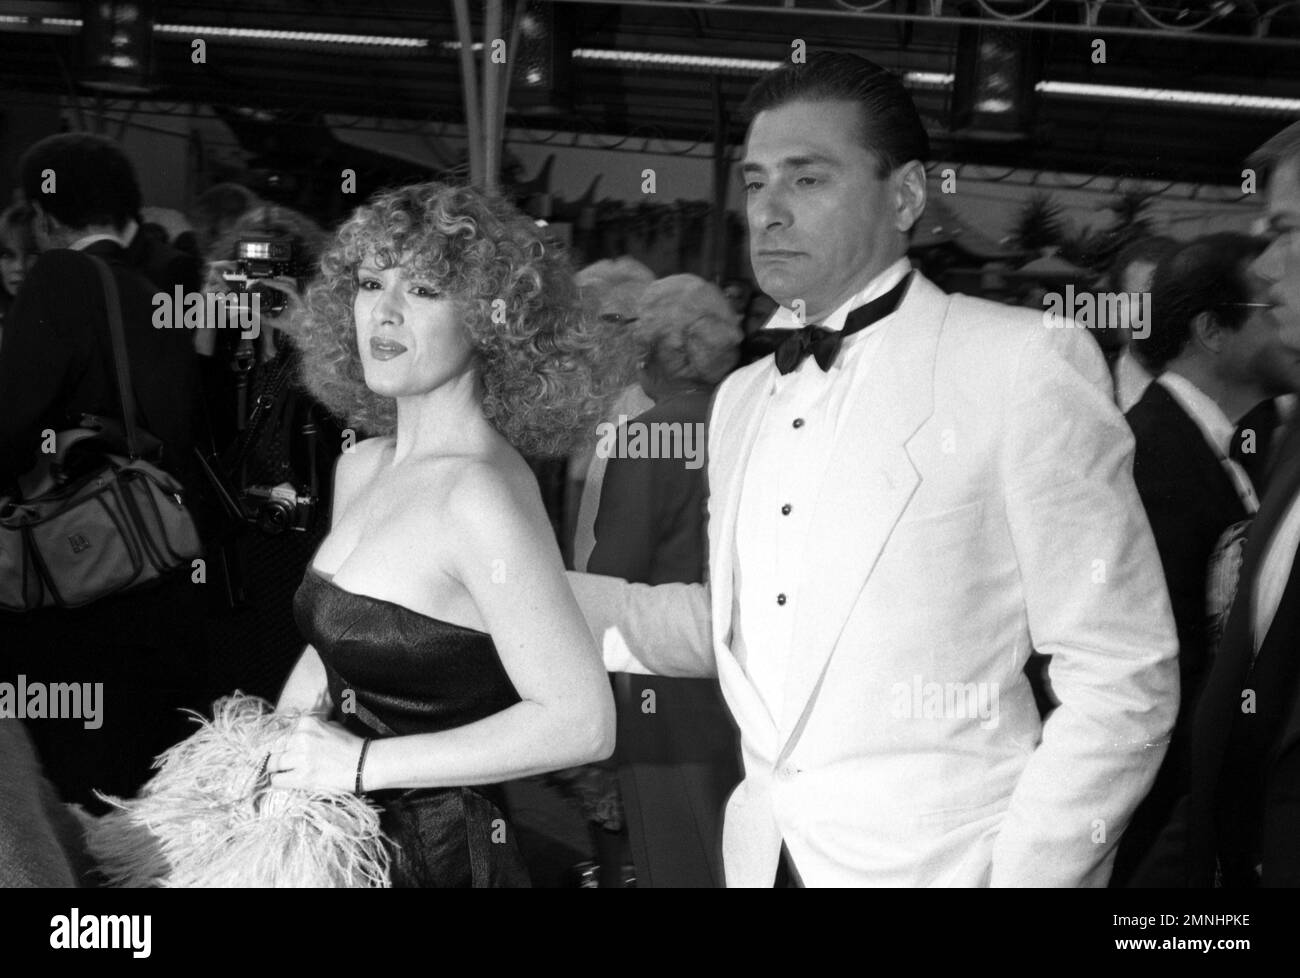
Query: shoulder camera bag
x=94, y=517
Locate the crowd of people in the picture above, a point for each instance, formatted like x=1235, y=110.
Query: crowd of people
x=902, y=588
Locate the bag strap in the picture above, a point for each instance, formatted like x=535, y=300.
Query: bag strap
x=125, y=392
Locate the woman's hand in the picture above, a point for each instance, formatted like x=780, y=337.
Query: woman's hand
x=316, y=755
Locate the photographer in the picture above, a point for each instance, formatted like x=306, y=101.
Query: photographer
x=272, y=449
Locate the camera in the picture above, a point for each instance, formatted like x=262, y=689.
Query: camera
x=264, y=255
x=278, y=508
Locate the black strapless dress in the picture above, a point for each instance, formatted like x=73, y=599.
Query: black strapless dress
x=392, y=672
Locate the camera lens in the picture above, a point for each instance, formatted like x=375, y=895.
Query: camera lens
x=275, y=516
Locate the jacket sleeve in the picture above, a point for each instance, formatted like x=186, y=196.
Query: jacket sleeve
x=668, y=625
x=1096, y=602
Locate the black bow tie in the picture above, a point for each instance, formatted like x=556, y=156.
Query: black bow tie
x=792, y=345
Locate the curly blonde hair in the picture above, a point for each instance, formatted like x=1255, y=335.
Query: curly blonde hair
x=544, y=377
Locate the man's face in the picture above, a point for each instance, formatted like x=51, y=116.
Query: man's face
x=1265, y=351
x=822, y=222
x=1279, y=265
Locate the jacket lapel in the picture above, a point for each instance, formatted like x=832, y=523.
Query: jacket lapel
x=869, y=483
x=734, y=434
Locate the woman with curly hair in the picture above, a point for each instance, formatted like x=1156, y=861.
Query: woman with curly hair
x=447, y=653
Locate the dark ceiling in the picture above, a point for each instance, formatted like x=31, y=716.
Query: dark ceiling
x=1070, y=134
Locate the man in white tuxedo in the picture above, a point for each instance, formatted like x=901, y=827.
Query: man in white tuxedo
x=895, y=521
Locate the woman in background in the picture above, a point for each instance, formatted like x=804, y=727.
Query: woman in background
x=677, y=752
x=18, y=252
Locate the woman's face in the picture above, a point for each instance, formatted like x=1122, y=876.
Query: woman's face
x=409, y=333
x=14, y=263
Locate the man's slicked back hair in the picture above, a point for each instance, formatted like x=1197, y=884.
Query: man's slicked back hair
x=891, y=129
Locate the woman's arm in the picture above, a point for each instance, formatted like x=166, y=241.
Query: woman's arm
x=508, y=560
x=306, y=689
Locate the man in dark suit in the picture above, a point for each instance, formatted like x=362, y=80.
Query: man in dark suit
x=144, y=645
x=1217, y=356
x=1236, y=826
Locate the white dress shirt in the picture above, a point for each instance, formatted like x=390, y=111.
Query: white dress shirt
x=1217, y=430
x=781, y=480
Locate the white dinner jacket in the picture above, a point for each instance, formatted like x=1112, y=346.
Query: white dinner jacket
x=979, y=504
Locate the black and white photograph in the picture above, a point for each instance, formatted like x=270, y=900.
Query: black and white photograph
x=651, y=444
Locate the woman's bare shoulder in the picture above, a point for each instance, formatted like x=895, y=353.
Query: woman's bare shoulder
x=489, y=492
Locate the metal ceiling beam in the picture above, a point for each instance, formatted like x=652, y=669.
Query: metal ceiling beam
x=1089, y=11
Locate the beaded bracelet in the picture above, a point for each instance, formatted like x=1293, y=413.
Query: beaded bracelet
x=361, y=762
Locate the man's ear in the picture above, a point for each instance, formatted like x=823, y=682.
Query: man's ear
x=49, y=223
x=909, y=194
x=1207, y=331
